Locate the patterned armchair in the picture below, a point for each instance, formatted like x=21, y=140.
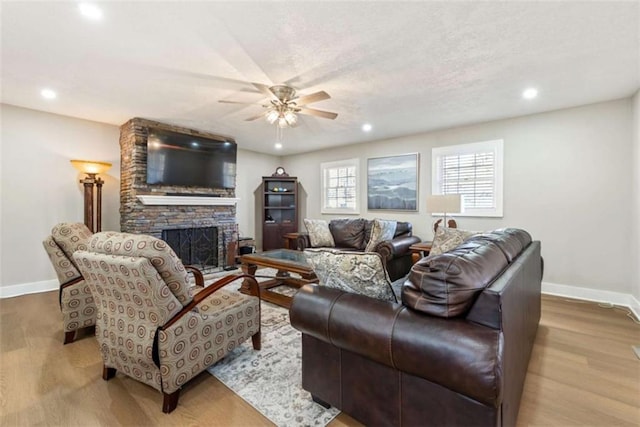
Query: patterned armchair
x=150, y=325
x=76, y=301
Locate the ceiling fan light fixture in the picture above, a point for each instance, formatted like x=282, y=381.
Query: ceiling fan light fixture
x=290, y=117
x=272, y=116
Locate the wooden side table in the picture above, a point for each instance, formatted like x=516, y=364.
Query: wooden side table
x=290, y=240
x=419, y=250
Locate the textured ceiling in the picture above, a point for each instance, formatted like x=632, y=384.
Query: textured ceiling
x=404, y=67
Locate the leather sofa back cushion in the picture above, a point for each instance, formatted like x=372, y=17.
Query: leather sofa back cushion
x=403, y=228
x=348, y=233
x=446, y=285
x=511, y=241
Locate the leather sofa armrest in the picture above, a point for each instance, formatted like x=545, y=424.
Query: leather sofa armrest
x=457, y=354
x=302, y=241
x=397, y=247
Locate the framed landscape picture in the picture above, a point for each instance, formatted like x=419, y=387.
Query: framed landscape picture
x=392, y=183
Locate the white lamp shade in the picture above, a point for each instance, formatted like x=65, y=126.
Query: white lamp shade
x=444, y=203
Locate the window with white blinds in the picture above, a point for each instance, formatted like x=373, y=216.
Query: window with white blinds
x=473, y=171
x=340, y=187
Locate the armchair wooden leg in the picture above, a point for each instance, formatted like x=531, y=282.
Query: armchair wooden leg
x=108, y=373
x=170, y=401
x=69, y=337
x=255, y=338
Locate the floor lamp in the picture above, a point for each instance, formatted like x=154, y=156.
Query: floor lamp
x=443, y=204
x=92, y=169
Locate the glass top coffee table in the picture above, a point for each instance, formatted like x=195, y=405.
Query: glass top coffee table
x=286, y=261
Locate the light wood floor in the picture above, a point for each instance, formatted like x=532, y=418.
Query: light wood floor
x=582, y=372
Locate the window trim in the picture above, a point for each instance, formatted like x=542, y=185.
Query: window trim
x=497, y=146
x=324, y=167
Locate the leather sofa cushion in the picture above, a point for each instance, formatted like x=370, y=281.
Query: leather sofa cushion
x=446, y=285
x=403, y=228
x=511, y=241
x=348, y=233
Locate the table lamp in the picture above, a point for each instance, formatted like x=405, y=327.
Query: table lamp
x=444, y=204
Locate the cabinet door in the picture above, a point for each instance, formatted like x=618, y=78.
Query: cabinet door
x=272, y=237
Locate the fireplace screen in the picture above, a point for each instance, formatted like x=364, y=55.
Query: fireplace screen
x=194, y=246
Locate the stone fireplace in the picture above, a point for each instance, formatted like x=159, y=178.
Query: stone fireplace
x=168, y=211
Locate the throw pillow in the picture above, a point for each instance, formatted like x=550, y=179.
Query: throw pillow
x=447, y=238
x=355, y=272
x=319, y=234
x=348, y=233
x=381, y=230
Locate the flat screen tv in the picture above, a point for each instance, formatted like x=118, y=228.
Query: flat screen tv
x=176, y=159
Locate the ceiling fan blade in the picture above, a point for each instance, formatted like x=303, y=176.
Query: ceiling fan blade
x=265, y=90
x=255, y=117
x=224, y=101
x=314, y=97
x=317, y=113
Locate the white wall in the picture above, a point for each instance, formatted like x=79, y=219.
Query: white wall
x=252, y=167
x=39, y=188
x=567, y=182
x=635, y=213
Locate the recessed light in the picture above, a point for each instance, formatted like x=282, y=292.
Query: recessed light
x=278, y=146
x=530, y=93
x=90, y=11
x=367, y=127
x=194, y=144
x=48, y=94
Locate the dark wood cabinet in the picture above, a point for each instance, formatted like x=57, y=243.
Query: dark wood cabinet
x=279, y=210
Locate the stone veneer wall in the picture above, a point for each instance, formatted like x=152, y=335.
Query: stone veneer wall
x=152, y=219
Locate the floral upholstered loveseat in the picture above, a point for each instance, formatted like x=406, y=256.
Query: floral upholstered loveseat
x=390, y=239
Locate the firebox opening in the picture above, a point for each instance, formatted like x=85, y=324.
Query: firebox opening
x=195, y=246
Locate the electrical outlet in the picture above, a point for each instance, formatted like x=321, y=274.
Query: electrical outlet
x=636, y=350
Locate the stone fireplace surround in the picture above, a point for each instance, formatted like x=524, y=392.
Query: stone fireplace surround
x=151, y=209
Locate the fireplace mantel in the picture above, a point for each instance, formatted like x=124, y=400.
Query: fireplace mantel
x=187, y=200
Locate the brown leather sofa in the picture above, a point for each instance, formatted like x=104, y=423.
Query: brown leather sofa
x=454, y=352
x=352, y=234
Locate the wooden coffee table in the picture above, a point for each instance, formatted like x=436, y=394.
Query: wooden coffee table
x=286, y=261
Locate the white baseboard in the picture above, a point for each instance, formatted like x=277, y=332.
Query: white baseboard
x=596, y=295
x=28, y=288
x=588, y=294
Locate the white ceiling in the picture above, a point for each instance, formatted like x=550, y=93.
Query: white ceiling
x=404, y=67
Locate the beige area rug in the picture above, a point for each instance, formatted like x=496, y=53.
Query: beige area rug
x=270, y=379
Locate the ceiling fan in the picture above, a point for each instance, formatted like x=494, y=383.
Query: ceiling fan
x=284, y=105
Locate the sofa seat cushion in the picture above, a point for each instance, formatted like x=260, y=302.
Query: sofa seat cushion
x=348, y=232
x=446, y=285
x=319, y=233
x=355, y=272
